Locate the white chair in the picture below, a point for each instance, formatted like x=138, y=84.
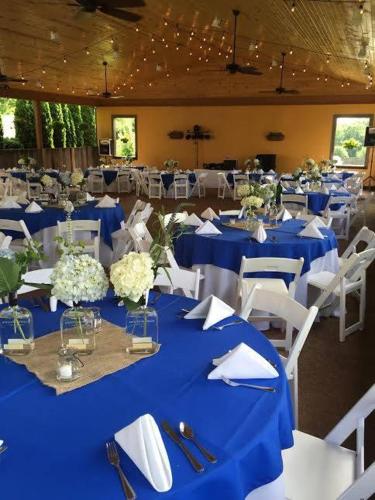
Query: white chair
x=96, y=181
x=296, y=316
x=34, y=189
x=181, y=186
x=4, y=188
x=38, y=276
x=92, y=245
x=138, y=206
x=239, y=180
x=223, y=186
x=141, y=237
x=155, y=186
x=18, y=187
x=175, y=278
x=295, y=202
x=323, y=469
x=200, y=185
x=341, y=215
x=123, y=182
x=5, y=241
x=234, y=213
x=351, y=279
x=144, y=215
x=17, y=226
x=137, y=180
x=365, y=236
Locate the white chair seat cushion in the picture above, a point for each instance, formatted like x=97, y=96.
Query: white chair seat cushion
x=271, y=284
x=315, y=469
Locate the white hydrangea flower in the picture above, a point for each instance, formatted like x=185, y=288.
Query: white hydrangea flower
x=79, y=278
x=252, y=202
x=76, y=177
x=47, y=181
x=132, y=276
x=243, y=190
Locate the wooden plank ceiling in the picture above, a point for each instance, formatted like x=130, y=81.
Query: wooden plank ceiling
x=179, y=49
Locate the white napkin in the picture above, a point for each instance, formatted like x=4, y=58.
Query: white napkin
x=260, y=171
x=23, y=200
x=311, y=231
x=259, y=234
x=286, y=184
x=212, y=309
x=271, y=171
x=342, y=190
x=242, y=362
x=9, y=204
x=306, y=187
x=33, y=208
x=209, y=214
x=89, y=197
x=193, y=220
x=333, y=187
x=298, y=190
x=317, y=221
x=242, y=211
x=335, y=178
x=142, y=442
x=106, y=202
x=325, y=190
x=286, y=215
x=207, y=228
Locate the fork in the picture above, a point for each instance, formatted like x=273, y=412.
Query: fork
x=251, y=386
x=236, y=322
x=114, y=459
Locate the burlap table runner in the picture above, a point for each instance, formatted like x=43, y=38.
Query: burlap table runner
x=109, y=356
x=242, y=225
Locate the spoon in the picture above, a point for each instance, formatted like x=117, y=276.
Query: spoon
x=187, y=432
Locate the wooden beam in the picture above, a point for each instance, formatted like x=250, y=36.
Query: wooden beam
x=49, y=97
x=38, y=124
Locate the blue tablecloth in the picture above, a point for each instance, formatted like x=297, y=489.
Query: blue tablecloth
x=167, y=180
x=108, y=175
x=57, y=443
x=317, y=202
x=111, y=218
x=227, y=249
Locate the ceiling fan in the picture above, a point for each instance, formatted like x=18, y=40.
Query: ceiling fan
x=233, y=67
x=281, y=89
x=5, y=79
x=113, y=8
x=106, y=94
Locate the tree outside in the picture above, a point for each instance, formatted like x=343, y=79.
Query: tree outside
x=348, y=141
x=124, y=129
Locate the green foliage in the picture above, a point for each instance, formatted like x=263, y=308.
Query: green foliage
x=76, y=113
x=47, y=125
x=11, y=143
x=125, y=140
x=25, y=123
x=70, y=128
x=1, y=134
x=59, y=130
x=32, y=253
x=10, y=276
x=88, y=126
x=351, y=143
x=7, y=106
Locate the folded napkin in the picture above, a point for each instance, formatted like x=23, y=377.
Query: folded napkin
x=286, y=215
x=106, y=202
x=298, y=190
x=333, y=187
x=9, y=204
x=311, y=231
x=342, y=190
x=89, y=197
x=33, y=208
x=271, y=171
x=260, y=171
x=207, y=228
x=259, y=234
x=325, y=190
x=142, y=442
x=193, y=220
x=209, y=214
x=212, y=309
x=318, y=222
x=242, y=211
x=23, y=200
x=335, y=178
x=242, y=362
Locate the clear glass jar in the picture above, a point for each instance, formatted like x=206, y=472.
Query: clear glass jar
x=16, y=329
x=142, y=325
x=77, y=330
x=97, y=319
x=68, y=365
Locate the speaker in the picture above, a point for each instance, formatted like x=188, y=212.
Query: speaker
x=370, y=137
x=105, y=147
x=267, y=161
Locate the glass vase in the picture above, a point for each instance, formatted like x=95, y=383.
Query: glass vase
x=16, y=329
x=77, y=326
x=142, y=325
x=251, y=222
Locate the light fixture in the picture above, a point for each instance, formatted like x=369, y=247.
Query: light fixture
x=153, y=51
x=361, y=8
x=137, y=29
x=291, y=52
x=65, y=60
x=145, y=59
x=216, y=23
x=293, y=7
x=188, y=69
x=137, y=70
x=294, y=73
x=167, y=75
x=150, y=84
x=112, y=40
x=328, y=60
x=165, y=23
x=326, y=79
x=87, y=51
x=44, y=71
x=304, y=70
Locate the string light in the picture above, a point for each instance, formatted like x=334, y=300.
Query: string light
x=145, y=59
x=328, y=60
x=44, y=71
x=291, y=52
x=87, y=51
x=304, y=70
x=153, y=51
x=188, y=69
x=137, y=29
x=294, y=73
x=293, y=7
x=112, y=40
x=361, y=8
x=326, y=79
x=137, y=70
x=165, y=23
x=150, y=84
x=65, y=60
x=23, y=83
x=167, y=75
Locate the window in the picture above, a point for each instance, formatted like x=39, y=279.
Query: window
x=348, y=136
x=125, y=136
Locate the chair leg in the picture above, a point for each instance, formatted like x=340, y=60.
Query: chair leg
x=293, y=384
x=342, y=314
x=362, y=303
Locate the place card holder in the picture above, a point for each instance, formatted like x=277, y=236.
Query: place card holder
x=141, y=345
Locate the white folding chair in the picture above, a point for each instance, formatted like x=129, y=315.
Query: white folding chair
x=364, y=236
x=5, y=241
x=17, y=226
x=239, y=180
x=181, y=186
x=141, y=237
x=138, y=206
x=200, y=185
x=323, y=469
x=4, y=188
x=123, y=182
x=223, y=186
x=18, y=187
x=175, y=278
x=96, y=181
x=92, y=245
x=295, y=203
x=296, y=317
x=341, y=216
x=38, y=276
x=351, y=279
x=155, y=186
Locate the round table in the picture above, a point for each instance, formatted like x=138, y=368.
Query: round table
x=219, y=257
x=57, y=443
x=42, y=226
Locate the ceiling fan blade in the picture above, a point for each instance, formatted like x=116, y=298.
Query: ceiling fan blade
x=117, y=97
x=290, y=91
x=13, y=80
x=249, y=70
x=120, y=14
x=268, y=92
x=122, y=4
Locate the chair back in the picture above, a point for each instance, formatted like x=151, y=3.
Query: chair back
x=338, y=200
x=176, y=278
x=79, y=225
x=18, y=226
x=5, y=241
x=364, y=235
x=296, y=199
x=234, y=213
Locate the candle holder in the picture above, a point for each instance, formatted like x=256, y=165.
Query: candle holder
x=68, y=365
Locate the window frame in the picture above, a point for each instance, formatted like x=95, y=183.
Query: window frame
x=113, y=117
x=333, y=135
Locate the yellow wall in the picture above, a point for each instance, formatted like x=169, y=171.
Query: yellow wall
x=239, y=131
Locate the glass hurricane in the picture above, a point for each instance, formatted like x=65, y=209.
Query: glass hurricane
x=16, y=329
x=77, y=327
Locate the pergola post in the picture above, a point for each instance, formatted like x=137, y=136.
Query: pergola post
x=39, y=130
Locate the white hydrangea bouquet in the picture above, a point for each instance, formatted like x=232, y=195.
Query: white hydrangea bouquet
x=26, y=160
x=77, y=178
x=251, y=203
x=314, y=173
x=170, y=164
x=47, y=181
x=326, y=166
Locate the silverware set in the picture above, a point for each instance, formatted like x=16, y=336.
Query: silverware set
x=250, y=386
x=187, y=433
x=114, y=459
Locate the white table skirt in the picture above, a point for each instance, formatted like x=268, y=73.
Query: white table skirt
x=223, y=282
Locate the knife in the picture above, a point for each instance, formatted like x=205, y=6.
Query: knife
x=198, y=467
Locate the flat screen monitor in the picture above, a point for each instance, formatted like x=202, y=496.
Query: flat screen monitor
x=229, y=164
